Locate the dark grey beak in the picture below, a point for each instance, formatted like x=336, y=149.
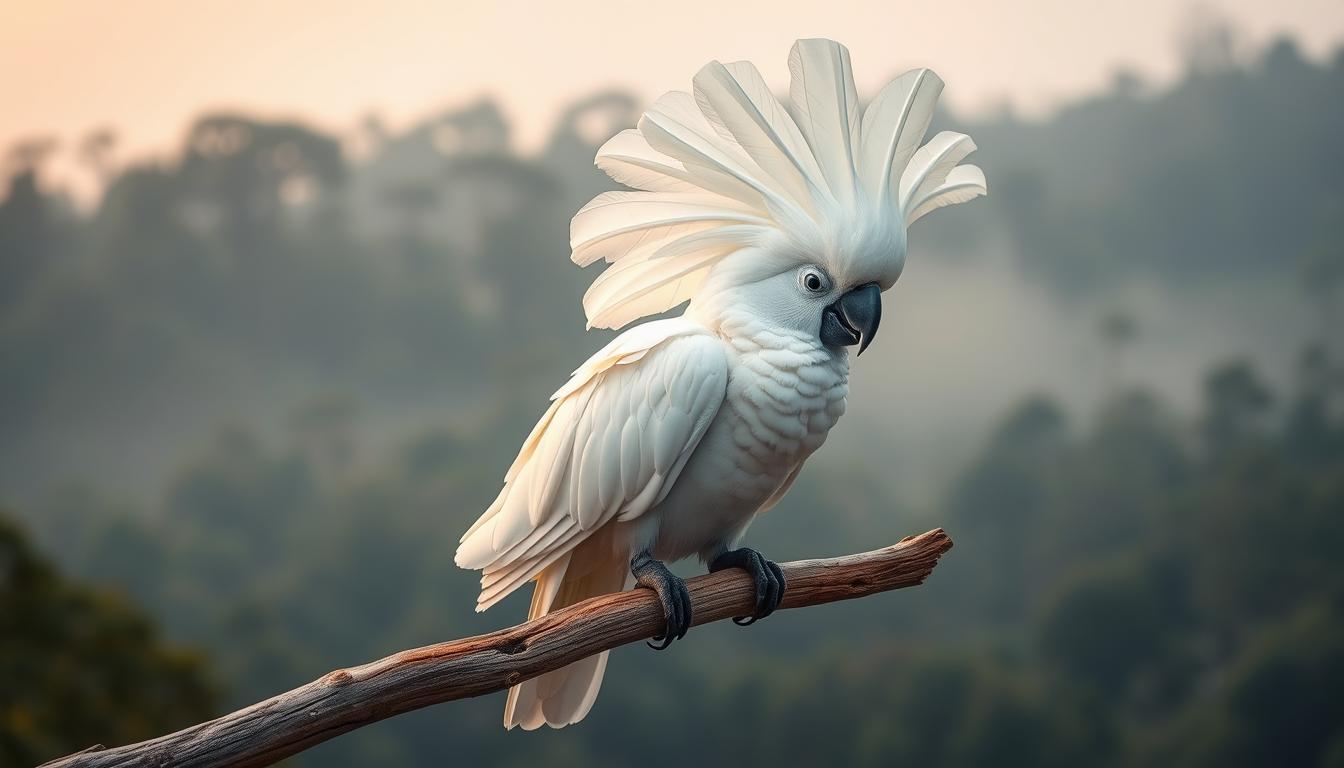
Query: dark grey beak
x=853, y=318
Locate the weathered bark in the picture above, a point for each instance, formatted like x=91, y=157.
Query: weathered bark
x=347, y=699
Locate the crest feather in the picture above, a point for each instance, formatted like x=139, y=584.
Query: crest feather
x=826, y=105
x=615, y=223
x=931, y=164
x=720, y=170
x=893, y=126
x=742, y=109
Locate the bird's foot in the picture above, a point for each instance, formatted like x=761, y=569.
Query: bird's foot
x=671, y=590
x=766, y=574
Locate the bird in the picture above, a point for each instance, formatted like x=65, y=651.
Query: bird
x=779, y=226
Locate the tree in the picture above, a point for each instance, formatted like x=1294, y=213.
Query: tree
x=253, y=171
x=79, y=666
x=1278, y=703
x=1236, y=404
x=1117, y=330
x=29, y=239
x=95, y=152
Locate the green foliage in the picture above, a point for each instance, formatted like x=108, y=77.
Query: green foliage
x=1278, y=705
x=81, y=666
x=1122, y=632
x=1123, y=592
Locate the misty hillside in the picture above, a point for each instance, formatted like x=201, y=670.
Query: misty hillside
x=263, y=266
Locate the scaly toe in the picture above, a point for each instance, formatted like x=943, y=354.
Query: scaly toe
x=767, y=576
x=672, y=593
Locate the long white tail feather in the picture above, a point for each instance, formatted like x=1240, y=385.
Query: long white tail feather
x=566, y=695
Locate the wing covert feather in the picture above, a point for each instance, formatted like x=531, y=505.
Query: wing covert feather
x=610, y=447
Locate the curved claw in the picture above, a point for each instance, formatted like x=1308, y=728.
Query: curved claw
x=672, y=593
x=767, y=576
x=780, y=584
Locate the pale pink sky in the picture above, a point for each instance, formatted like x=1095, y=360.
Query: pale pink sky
x=146, y=67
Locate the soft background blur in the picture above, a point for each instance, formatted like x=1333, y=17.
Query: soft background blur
x=283, y=287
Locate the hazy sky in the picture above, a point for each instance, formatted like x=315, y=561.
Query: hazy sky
x=146, y=67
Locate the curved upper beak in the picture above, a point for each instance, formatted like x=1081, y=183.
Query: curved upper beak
x=853, y=318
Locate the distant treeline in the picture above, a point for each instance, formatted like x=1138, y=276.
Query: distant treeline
x=262, y=260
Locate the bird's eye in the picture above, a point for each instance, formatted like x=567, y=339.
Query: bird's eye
x=813, y=280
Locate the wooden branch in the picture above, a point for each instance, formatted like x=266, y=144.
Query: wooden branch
x=347, y=699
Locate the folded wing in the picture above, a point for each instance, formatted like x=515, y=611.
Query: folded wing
x=609, y=448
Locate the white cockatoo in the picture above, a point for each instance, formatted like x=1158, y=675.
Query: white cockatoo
x=782, y=225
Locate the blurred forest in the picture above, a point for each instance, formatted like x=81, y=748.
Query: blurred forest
x=259, y=389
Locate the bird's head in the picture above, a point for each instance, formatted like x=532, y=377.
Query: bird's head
x=794, y=216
